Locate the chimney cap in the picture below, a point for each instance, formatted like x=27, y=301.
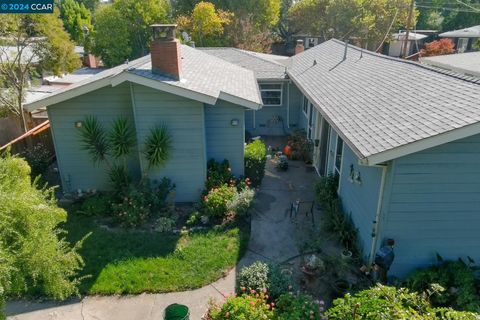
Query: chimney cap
x=164, y=32
x=299, y=41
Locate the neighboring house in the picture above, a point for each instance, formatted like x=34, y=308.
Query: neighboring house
x=200, y=98
x=465, y=63
x=415, y=43
x=464, y=39
x=403, y=138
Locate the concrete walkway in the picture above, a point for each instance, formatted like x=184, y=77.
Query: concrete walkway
x=271, y=240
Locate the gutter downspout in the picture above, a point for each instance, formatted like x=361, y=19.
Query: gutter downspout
x=288, y=104
x=376, y=222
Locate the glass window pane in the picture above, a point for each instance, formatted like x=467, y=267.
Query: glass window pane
x=270, y=86
x=338, y=154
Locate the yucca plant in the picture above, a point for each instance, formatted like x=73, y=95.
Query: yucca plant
x=158, y=146
x=121, y=138
x=94, y=139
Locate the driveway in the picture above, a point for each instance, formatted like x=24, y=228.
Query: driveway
x=272, y=240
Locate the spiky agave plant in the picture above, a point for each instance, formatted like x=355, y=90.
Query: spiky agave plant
x=121, y=138
x=94, y=139
x=158, y=145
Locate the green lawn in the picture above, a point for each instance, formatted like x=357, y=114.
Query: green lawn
x=130, y=262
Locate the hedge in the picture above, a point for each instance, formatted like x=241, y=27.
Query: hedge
x=255, y=160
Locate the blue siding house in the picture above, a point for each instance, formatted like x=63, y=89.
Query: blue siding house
x=200, y=98
x=403, y=138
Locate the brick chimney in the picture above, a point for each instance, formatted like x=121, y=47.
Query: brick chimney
x=165, y=51
x=299, y=48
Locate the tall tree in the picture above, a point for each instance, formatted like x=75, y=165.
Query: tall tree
x=129, y=20
x=367, y=20
x=113, y=48
x=206, y=24
x=34, y=43
x=445, y=15
x=77, y=20
x=263, y=13
x=90, y=4
x=34, y=256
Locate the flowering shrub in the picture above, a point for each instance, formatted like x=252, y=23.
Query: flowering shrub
x=260, y=276
x=301, y=307
x=214, y=204
x=133, y=209
x=218, y=174
x=300, y=147
x=255, y=160
x=241, y=202
x=254, y=277
x=245, y=307
x=280, y=281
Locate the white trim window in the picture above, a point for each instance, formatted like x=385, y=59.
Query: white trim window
x=462, y=45
x=338, y=156
x=305, y=106
x=272, y=94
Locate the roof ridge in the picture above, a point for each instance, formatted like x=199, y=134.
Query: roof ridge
x=247, y=52
x=447, y=73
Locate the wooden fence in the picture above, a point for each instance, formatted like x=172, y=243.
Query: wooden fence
x=39, y=135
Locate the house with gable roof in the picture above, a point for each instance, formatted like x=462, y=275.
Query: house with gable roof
x=403, y=138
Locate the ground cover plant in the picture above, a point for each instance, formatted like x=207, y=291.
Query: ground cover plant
x=382, y=302
x=448, y=284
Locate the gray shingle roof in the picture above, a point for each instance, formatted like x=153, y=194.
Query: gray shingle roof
x=209, y=75
x=265, y=69
x=379, y=103
x=201, y=73
x=472, y=32
x=466, y=63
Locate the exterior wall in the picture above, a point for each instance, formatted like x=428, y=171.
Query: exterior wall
x=76, y=168
x=434, y=205
x=296, y=115
x=262, y=122
x=223, y=140
x=360, y=200
x=185, y=120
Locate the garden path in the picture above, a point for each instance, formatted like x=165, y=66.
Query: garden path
x=272, y=240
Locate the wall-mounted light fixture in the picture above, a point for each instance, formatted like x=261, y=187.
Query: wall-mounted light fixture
x=317, y=142
x=78, y=124
x=234, y=122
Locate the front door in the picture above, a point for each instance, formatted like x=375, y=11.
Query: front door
x=322, y=133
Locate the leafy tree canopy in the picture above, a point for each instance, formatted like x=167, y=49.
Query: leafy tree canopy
x=122, y=29
x=206, y=24
x=36, y=43
x=438, y=48
x=77, y=20
x=34, y=257
x=442, y=15
x=366, y=20
x=263, y=13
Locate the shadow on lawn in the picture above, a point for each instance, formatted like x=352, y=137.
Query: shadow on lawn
x=104, y=247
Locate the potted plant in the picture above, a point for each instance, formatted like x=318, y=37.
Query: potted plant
x=340, y=286
x=313, y=265
x=346, y=254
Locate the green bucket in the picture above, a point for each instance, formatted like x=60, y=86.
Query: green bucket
x=176, y=312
